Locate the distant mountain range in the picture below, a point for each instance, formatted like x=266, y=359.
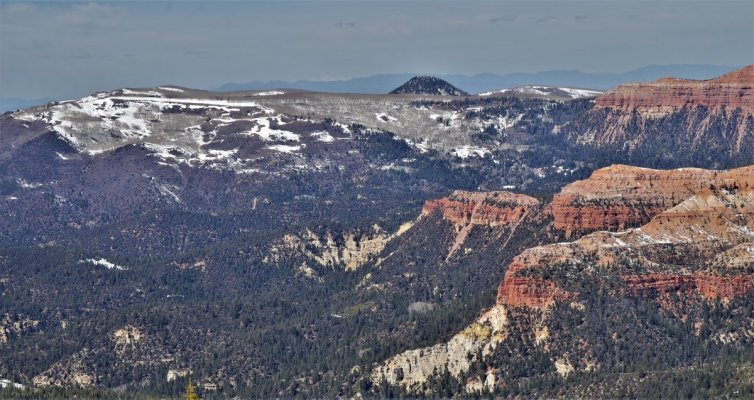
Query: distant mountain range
x=478, y=83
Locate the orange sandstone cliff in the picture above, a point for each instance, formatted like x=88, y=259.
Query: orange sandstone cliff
x=468, y=209
x=670, y=118
x=481, y=208
x=733, y=90
x=703, y=242
x=620, y=196
x=692, y=239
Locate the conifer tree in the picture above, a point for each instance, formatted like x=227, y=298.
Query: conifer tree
x=190, y=392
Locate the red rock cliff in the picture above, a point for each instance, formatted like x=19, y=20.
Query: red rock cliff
x=468, y=209
x=620, y=196
x=706, y=285
x=481, y=208
x=532, y=292
x=733, y=90
x=684, y=116
x=706, y=227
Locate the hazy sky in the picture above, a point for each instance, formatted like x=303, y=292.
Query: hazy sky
x=65, y=49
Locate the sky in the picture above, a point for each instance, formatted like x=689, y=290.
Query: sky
x=68, y=49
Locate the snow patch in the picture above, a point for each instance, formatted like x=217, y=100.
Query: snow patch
x=28, y=185
x=104, y=263
x=150, y=93
x=269, y=93
x=283, y=148
x=171, y=89
x=422, y=146
x=385, y=118
x=6, y=383
x=469, y=151
x=501, y=91
x=322, y=136
x=263, y=130
x=581, y=93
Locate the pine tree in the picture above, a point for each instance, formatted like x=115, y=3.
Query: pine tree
x=190, y=392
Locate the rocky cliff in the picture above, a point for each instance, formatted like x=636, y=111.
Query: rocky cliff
x=413, y=368
x=468, y=209
x=674, y=119
x=622, y=196
x=732, y=90
x=347, y=250
x=481, y=208
x=692, y=243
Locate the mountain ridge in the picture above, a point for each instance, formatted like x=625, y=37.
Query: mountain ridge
x=484, y=82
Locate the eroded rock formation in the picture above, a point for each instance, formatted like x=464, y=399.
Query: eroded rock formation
x=694, y=239
x=468, y=209
x=622, y=196
x=682, y=119
x=732, y=90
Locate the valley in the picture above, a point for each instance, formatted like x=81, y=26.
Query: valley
x=534, y=241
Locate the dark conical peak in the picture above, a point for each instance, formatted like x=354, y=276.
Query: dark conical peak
x=429, y=85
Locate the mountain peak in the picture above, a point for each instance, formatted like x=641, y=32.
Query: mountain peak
x=422, y=84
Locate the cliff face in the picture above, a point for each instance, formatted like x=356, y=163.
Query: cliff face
x=621, y=196
x=413, y=368
x=681, y=119
x=733, y=90
x=688, y=247
x=468, y=209
x=692, y=242
x=481, y=208
x=708, y=286
x=347, y=250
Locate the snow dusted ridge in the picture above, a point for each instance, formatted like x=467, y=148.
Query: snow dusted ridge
x=175, y=129
x=171, y=89
x=580, y=93
x=242, y=131
x=572, y=93
x=131, y=116
x=104, y=263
